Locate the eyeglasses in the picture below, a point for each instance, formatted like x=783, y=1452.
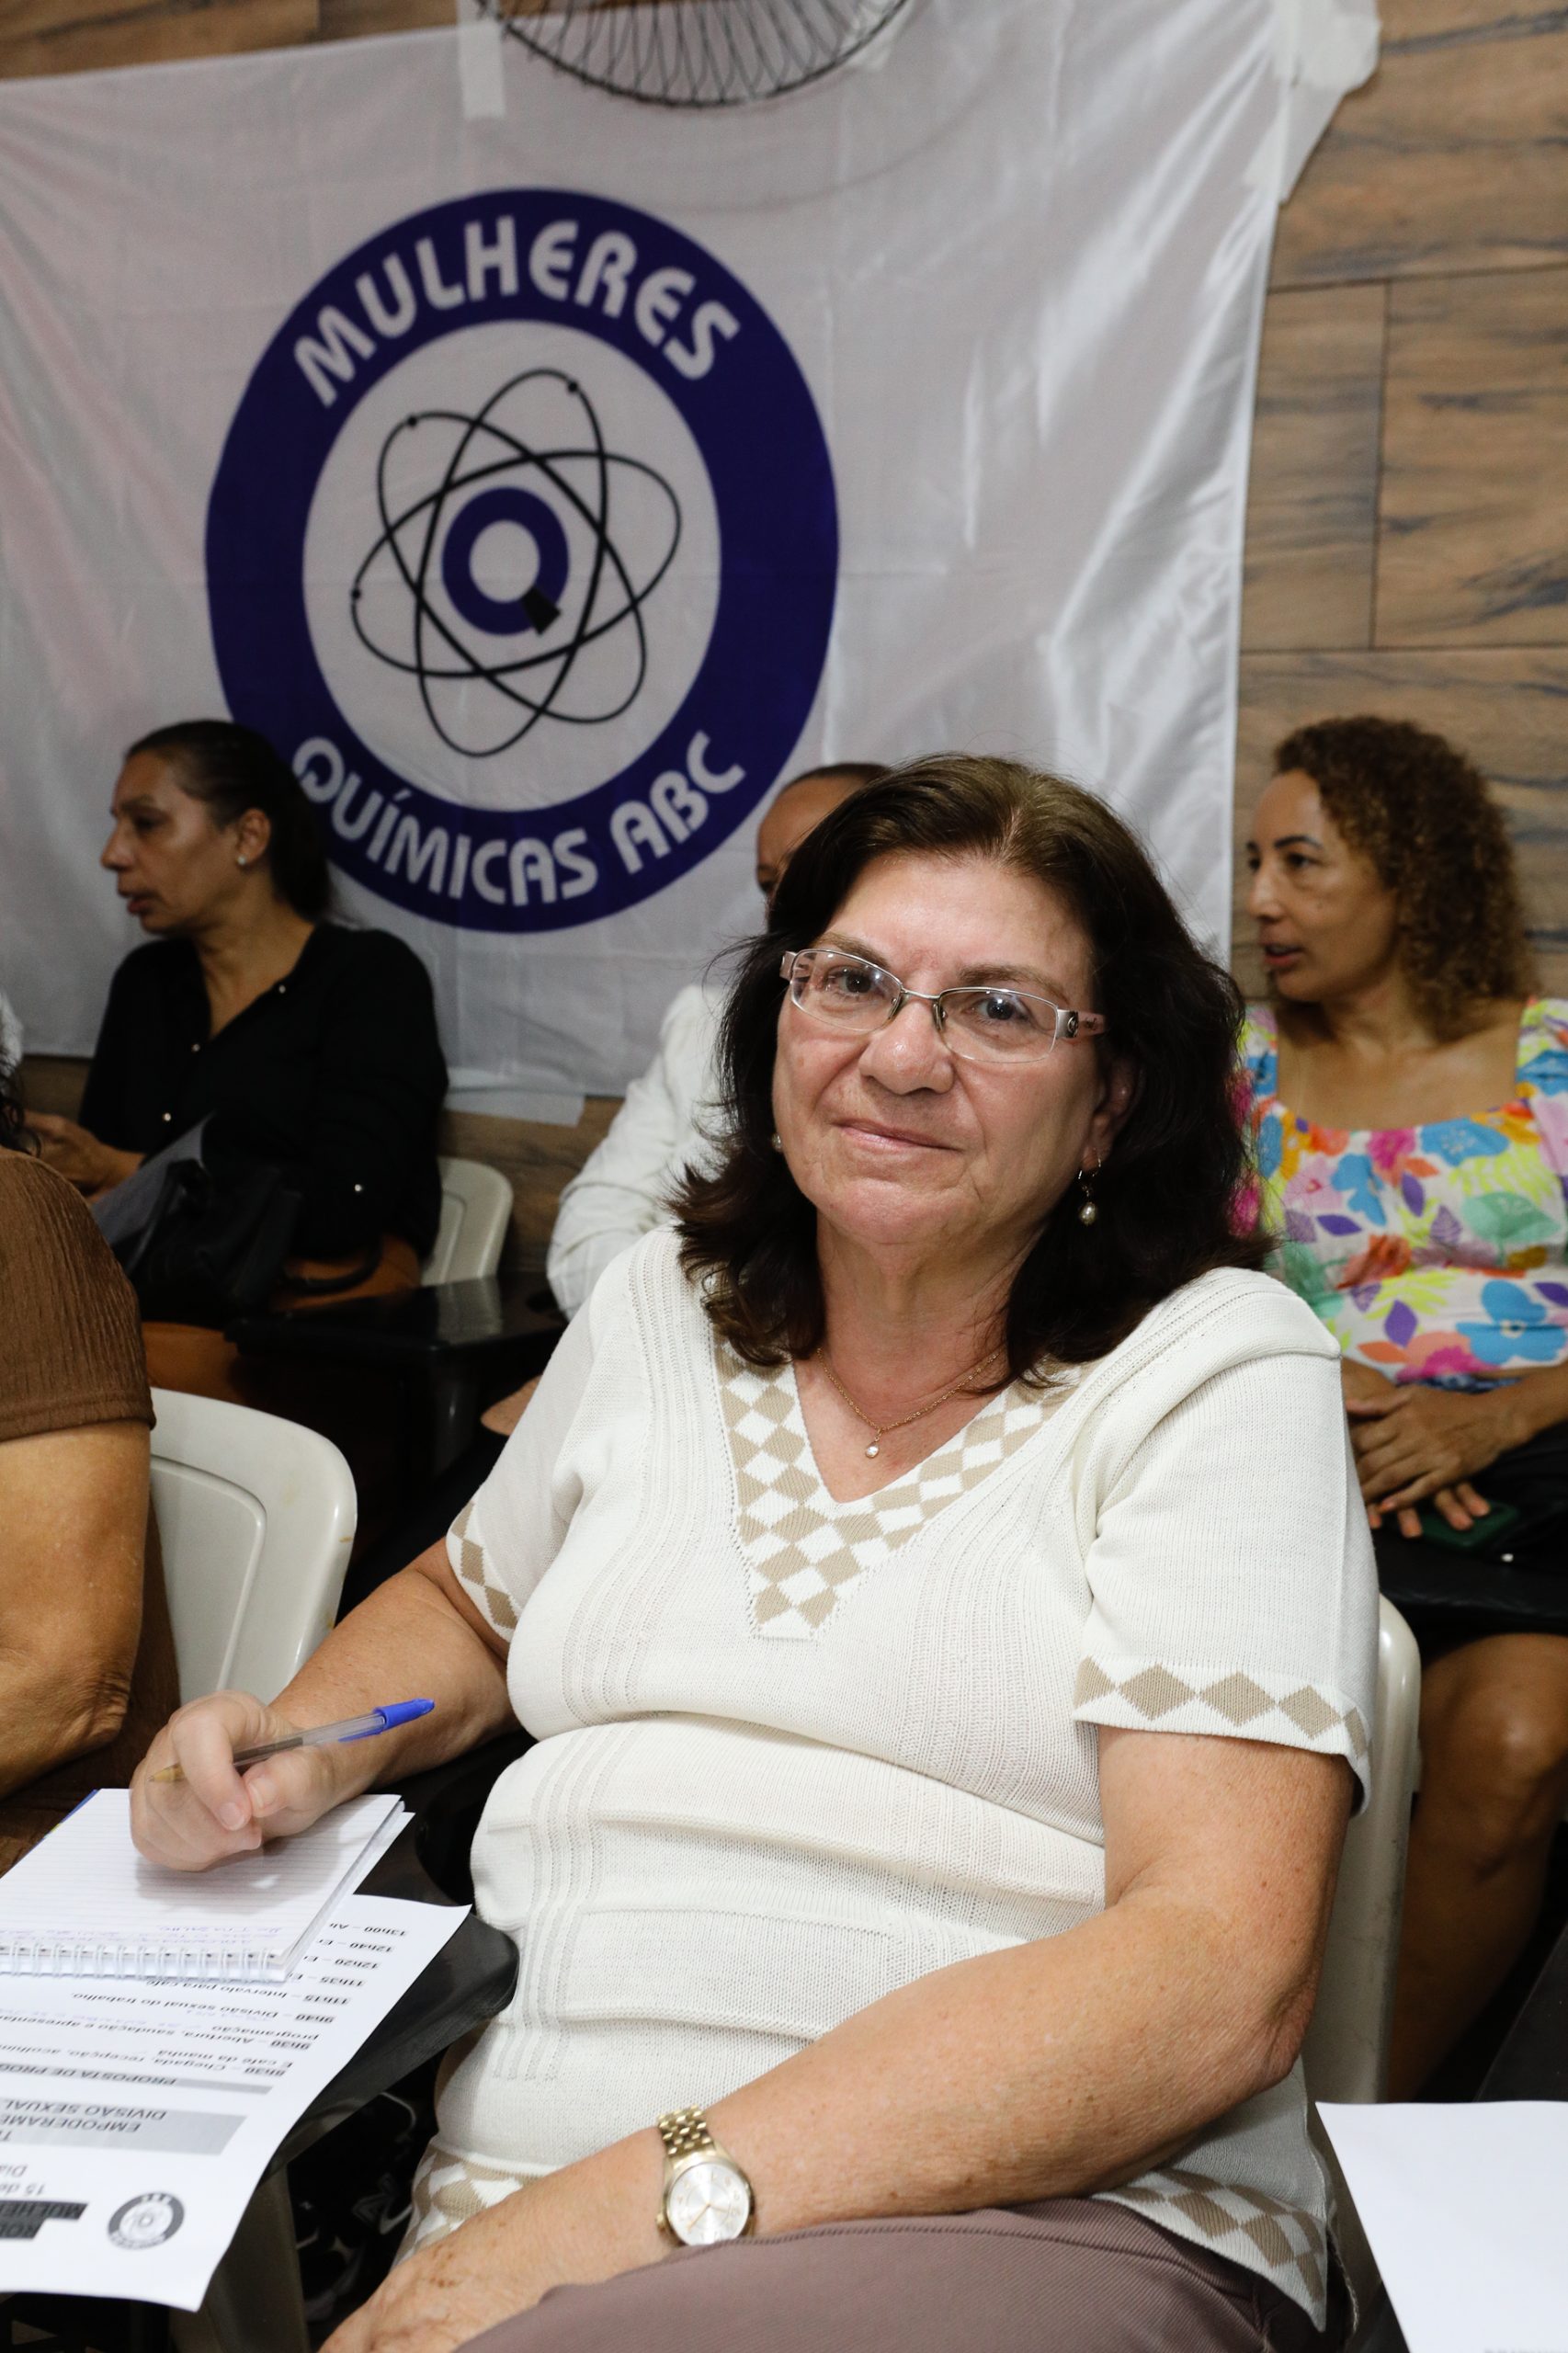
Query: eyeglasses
x=981, y=1024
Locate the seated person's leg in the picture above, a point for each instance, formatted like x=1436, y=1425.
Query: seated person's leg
x=1494, y=1779
x=1073, y=2275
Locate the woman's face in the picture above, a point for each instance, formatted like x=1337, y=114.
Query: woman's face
x=900, y=1144
x=173, y=867
x=1327, y=926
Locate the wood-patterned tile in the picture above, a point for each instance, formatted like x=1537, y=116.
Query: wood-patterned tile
x=1508, y=710
x=1453, y=157
x=81, y=36
x=352, y=19
x=1472, y=549
x=52, y=1083
x=1312, y=497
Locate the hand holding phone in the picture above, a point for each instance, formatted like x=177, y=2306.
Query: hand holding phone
x=1477, y=1537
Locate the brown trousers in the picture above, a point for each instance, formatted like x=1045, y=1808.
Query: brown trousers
x=1071, y=2274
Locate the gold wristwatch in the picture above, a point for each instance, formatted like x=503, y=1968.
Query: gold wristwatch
x=707, y=2197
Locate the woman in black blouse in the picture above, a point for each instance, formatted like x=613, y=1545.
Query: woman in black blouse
x=315, y=1047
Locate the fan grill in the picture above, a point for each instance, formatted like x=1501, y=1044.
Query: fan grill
x=697, y=52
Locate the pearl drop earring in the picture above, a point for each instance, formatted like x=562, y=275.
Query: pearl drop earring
x=1088, y=1212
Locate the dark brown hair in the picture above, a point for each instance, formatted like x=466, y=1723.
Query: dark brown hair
x=14, y=1135
x=1421, y=814
x=230, y=769
x=748, y=1235
x=855, y=772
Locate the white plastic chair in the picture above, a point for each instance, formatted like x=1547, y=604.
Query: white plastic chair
x=476, y=1210
x=1346, y=2054
x=255, y=1517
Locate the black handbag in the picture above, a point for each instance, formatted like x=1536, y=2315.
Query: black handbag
x=215, y=1242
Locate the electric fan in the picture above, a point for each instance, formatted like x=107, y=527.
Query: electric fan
x=697, y=52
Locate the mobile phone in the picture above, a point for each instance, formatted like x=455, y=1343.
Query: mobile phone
x=1477, y=1536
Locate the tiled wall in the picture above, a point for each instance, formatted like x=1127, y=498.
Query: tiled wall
x=1407, y=538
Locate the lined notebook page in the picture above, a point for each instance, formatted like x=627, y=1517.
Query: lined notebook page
x=85, y=1903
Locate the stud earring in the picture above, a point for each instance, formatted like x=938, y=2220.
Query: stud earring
x=242, y=859
x=1088, y=1212
x=774, y=1140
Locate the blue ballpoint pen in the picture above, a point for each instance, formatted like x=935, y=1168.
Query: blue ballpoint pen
x=365, y=1727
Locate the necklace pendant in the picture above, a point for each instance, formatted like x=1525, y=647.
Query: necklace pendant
x=873, y=1450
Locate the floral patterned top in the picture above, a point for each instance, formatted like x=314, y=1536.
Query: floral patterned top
x=1438, y=1253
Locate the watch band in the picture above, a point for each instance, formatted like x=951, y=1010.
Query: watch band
x=685, y=2133
x=689, y=2146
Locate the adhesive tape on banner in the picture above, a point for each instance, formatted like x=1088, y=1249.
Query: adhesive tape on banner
x=480, y=76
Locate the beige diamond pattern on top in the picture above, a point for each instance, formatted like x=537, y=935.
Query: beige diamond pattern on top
x=803, y=1550
x=1287, y=2238
x=471, y=1570
x=1155, y=1692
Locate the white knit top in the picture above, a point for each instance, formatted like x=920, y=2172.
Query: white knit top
x=794, y=1753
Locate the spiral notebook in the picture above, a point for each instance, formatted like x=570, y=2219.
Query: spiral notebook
x=84, y=1904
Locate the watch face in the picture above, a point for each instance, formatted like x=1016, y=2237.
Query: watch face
x=707, y=2202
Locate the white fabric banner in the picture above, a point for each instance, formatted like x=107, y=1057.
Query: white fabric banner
x=549, y=484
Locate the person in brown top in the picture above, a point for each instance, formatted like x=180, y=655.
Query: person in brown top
x=86, y=1657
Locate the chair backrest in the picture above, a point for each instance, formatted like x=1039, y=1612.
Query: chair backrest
x=476, y=1210
x=255, y=1517
x=1346, y=2054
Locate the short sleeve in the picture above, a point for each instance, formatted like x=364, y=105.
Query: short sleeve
x=72, y=1353
x=1232, y=1585
x=1544, y=1063
x=1259, y=1054
x=504, y=1540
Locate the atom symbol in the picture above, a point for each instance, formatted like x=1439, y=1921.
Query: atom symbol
x=492, y=665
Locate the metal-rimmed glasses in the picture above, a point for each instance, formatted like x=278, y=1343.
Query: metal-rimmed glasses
x=986, y=1022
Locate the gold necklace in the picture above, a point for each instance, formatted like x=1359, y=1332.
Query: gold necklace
x=884, y=1429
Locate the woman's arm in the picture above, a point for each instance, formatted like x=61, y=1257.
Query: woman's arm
x=416, y=1637
x=1040, y=2071
x=78, y=1156
x=419, y=1636
x=619, y=1193
x=85, y=1150
x=72, y=1537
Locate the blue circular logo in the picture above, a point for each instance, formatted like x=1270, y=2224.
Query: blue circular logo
x=522, y=548
x=539, y=606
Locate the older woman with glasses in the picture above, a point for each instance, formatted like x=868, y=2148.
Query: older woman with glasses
x=921, y=1873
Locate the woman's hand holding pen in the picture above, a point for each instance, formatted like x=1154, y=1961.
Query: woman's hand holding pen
x=216, y=1809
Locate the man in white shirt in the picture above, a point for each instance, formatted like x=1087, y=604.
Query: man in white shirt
x=621, y=1191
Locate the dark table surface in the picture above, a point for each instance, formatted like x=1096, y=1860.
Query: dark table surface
x=492, y=1317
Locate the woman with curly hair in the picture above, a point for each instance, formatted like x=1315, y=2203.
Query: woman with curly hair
x=1410, y=1107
